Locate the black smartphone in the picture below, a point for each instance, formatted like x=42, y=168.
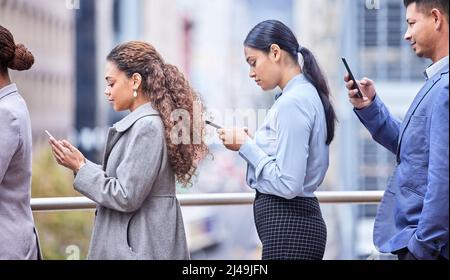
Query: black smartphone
x=213, y=124
x=355, y=84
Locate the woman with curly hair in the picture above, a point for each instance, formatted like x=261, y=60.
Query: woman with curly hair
x=138, y=215
x=18, y=237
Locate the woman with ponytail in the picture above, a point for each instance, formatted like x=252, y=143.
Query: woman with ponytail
x=288, y=156
x=18, y=236
x=138, y=215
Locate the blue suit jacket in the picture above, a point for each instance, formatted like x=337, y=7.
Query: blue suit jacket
x=414, y=210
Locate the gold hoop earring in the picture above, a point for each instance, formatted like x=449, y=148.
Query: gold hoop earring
x=135, y=94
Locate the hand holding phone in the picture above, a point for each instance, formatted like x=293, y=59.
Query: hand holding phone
x=66, y=154
x=355, y=84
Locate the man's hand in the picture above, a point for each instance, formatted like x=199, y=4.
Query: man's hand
x=367, y=88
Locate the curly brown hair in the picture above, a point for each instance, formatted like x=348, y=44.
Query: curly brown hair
x=16, y=57
x=168, y=91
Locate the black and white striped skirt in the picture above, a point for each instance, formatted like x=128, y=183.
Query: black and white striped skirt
x=290, y=229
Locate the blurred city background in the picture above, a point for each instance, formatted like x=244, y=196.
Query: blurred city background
x=64, y=92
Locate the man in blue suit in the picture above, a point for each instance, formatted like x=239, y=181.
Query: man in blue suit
x=412, y=219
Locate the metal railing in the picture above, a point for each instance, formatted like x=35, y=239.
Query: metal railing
x=208, y=199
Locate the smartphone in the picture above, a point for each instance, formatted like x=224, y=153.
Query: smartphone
x=355, y=84
x=213, y=124
x=50, y=135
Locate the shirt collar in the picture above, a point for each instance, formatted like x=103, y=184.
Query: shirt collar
x=11, y=88
x=292, y=82
x=434, y=68
x=140, y=112
x=278, y=95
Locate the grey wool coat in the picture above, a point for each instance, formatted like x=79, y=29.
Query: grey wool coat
x=18, y=236
x=138, y=215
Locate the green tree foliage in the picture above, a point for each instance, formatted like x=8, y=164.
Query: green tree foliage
x=62, y=234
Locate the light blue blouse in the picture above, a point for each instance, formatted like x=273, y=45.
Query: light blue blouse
x=288, y=156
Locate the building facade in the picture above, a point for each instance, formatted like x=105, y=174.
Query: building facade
x=47, y=29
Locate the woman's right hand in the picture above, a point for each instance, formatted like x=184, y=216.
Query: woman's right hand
x=66, y=154
x=367, y=88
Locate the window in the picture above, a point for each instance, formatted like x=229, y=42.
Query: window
x=369, y=21
x=384, y=54
x=394, y=23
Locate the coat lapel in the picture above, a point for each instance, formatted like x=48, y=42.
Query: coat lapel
x=113, y=137
x=123, y=125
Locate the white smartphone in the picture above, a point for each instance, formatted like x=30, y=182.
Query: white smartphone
x=50, y=135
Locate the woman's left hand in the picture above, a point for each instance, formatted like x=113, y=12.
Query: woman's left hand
x=67, y=155
x=233, y=138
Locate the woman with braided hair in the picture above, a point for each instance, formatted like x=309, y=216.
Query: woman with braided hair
x=18, y=236
x=138, y=215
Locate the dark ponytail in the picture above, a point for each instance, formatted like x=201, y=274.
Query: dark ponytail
x=269, y=32
x=314, y=75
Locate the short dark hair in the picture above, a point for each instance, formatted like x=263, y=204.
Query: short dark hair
x=442, y=5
